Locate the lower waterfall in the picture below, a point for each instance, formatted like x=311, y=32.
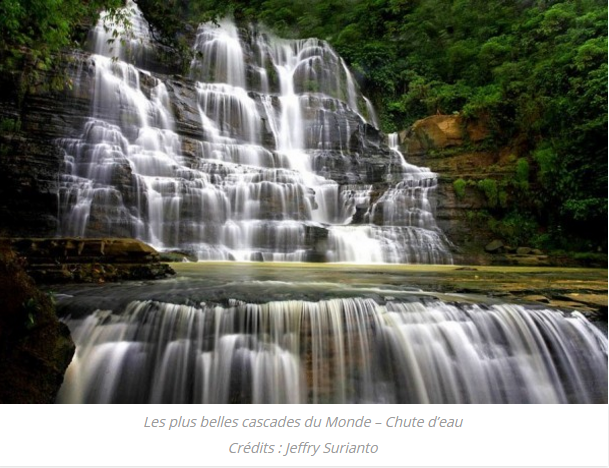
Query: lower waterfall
x=342, y=350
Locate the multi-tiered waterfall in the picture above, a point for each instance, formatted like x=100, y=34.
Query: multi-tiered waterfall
x=269, y=153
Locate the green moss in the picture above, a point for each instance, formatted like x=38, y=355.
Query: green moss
x=515, y=228
x=310, y=86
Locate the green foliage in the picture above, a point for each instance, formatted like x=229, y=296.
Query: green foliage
x=521, y=176
x=459, y=187
x=591, y=257
x=45, y=26
x=10, y=125
x=34, y=32
x=490, y=190
x=515, y=228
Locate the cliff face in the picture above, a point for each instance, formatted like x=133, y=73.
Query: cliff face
x=30, y=159
x=33, y=160
x=455, y=150
x=38, y=123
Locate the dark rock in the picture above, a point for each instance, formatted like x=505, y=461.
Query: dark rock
x=523, y=251
x=359, y=216
x=177, y=256
x=35, y=348
x=256, y=257
x=316, y=257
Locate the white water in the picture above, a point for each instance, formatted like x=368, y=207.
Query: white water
x=273, y=157
x=274, y=118
x=348, y=350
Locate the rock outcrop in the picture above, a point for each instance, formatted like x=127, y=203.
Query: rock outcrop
x=442, y=131
x=31, y=120
x=454, y=149
x=35, y=348
x=62, y=260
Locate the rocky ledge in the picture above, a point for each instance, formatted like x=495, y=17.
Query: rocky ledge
x=61, y=260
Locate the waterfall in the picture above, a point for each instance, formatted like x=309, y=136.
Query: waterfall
x=268, y=151
x=349, y=350
x=269, y=141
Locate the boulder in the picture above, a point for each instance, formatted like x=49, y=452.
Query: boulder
x=495, y=246
x=443, y=131
x=256, y=257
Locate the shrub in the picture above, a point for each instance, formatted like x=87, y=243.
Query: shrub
x=459, y=187
x=490, y=190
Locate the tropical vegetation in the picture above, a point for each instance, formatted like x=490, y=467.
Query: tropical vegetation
x=534, y=71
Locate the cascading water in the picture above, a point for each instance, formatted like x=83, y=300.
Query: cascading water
x=269, y=152
x=278, y=163
x=349, y=350
x=401, y=228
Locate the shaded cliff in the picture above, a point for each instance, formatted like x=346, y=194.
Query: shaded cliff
x=477, y=185
x=35, y=348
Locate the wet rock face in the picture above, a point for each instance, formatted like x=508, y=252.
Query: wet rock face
x=263, y=140
x=35, y=348
x=29, y=197
x=29, y=156
x=452, y=148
